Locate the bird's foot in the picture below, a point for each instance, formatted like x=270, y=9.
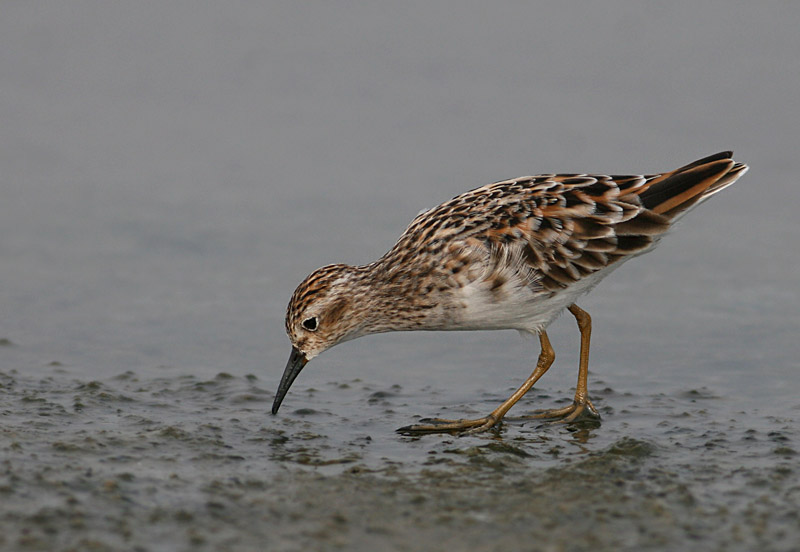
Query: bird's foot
x=576, y=412
x=460, y=427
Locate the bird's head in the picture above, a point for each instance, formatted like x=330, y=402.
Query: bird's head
x=320, y=315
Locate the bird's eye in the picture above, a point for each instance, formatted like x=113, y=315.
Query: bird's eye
x=310, y=323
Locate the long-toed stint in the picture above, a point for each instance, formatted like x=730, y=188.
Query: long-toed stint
x=509, y=255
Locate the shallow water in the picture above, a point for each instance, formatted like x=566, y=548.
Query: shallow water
x=163, y=463
x=169, y=175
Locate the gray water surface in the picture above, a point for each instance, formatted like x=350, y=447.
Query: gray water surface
x=169, y=174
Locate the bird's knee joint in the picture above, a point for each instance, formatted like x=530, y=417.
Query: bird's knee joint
x=581, y=316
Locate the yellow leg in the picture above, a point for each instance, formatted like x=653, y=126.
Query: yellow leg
x=437, y=425
x=581, y=405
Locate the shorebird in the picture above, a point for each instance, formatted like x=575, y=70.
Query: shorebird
x=509, y=255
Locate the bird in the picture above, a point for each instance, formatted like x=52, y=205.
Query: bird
x=509, y=255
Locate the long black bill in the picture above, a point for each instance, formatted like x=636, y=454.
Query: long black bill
x=296, y=362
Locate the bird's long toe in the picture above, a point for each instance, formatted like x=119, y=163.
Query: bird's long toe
x=575, y=412
x=441, y=425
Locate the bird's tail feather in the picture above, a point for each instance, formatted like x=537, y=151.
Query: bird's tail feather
x=674, y=193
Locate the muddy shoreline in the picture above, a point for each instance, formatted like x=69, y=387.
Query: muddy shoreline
x=180, y=463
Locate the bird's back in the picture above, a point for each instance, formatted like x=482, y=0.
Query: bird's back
x=540, y=241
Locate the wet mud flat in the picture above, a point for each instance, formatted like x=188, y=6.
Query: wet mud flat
x=177, y=462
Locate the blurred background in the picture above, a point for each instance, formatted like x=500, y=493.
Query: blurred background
x=171, y=172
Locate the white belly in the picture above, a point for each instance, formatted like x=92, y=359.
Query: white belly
x=519, y=307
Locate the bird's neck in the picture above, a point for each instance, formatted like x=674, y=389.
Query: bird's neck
x=389, y=300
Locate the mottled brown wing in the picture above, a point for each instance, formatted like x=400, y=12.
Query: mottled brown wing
x=561, y=227
x=585, y=223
